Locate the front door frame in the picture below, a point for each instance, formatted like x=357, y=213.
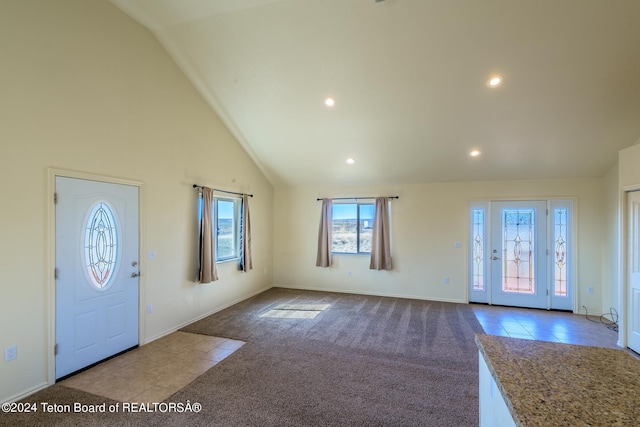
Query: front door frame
x=50, y=262
x=485, y=203
x=623, y=272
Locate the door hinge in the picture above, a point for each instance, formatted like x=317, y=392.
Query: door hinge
x=547, y=211
x=55, y=349
x=55, y=198
x=547, y=292
x=55, y=273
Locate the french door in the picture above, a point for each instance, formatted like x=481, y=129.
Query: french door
x=521, y=253
x=518, y=254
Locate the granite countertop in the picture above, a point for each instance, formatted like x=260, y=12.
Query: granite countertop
x=552, y=384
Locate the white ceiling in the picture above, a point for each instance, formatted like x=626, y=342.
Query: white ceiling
x=409, y=80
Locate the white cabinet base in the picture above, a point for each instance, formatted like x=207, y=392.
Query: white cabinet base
x=493, y=410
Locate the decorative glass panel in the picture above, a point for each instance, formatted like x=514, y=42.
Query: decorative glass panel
x=100, y=245
x=518, y=251
x=478, y=249
x=560, y=260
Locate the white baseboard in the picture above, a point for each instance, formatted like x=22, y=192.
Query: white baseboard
x=377, y=294
x=28, y=392
x=215, y=310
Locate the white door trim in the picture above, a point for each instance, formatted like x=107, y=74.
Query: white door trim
x=50, y=262
x=623, y=265
x=486, y=204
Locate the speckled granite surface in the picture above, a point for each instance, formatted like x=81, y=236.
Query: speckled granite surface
x=552, y=384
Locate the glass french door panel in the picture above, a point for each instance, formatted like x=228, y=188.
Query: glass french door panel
x=479, y=253
x=561, y=254
x=519, y=254
x=518, y=258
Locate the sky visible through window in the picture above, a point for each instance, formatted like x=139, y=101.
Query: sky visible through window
x=225, y=210
x=350, y=211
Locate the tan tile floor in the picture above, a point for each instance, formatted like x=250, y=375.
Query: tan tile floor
x=543, y=325
x=155, y=371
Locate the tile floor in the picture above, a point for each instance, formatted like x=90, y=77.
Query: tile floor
x=543, y=325
x=155, y=371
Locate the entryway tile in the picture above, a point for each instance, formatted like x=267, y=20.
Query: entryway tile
x=155, y=371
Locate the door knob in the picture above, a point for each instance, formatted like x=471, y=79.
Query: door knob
x=495, y=258
x=135, y=274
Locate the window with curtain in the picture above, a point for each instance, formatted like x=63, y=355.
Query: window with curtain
x=226, y=227
x=226, y=214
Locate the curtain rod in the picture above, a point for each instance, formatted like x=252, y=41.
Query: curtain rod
x=200, y=187
x=356, y=198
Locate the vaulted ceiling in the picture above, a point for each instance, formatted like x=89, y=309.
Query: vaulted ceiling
x=409, y=79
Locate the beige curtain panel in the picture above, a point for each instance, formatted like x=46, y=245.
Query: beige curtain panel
x=380, y=240
x=208, y=271
x=246, y=264
x=324, y=235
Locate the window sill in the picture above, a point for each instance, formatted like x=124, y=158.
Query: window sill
x=228, y=260
x=352, y=254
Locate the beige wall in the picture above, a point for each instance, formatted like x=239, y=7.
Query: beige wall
x=85, y=88
x=629, y=173
x=611, y=241
x=427, y=220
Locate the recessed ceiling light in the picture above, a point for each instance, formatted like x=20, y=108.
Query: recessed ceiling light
x=329, y=102
x=351, y=160
x=494, y=81
x=474, y=153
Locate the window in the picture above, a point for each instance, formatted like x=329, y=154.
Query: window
x=101, y=245
x=226, y=216
x=561, y=248
x=226, y=213
x=477, y=245
x=352, y=227
x=479, y=252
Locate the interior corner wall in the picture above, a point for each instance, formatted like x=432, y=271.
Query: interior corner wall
x=85, y=88
x=427, y=220
x=611, y=241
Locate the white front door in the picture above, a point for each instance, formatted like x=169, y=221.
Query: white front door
x=633, y=316
x=96, y=272
x=518, y=254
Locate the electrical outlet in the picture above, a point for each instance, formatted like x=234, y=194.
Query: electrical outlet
x=446, y=280
x=10, y=353
x=149, y=309
x=589, y=290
